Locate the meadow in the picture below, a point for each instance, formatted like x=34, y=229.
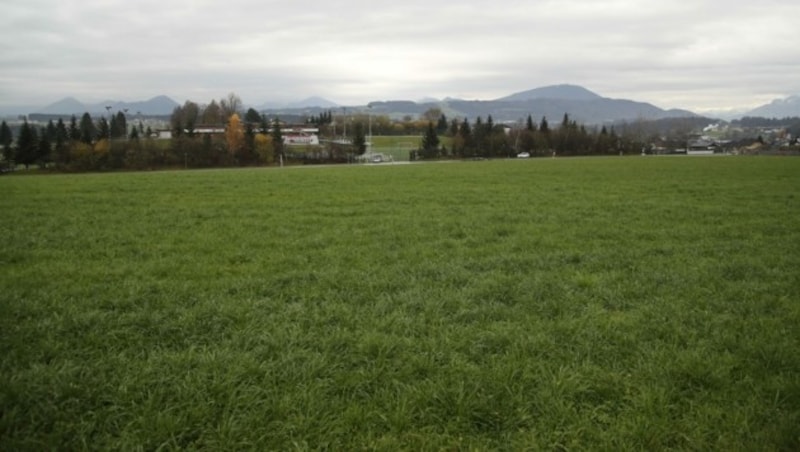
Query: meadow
x=399, y=147
x=636, y=303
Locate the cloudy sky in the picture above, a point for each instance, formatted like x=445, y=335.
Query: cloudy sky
x=700, y=54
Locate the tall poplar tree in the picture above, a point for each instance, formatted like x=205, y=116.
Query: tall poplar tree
x=234, y=136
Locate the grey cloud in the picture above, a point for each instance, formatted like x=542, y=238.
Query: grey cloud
x=708, y=54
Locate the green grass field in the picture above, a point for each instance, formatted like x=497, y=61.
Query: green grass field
x=556, y=304
x=399, y=147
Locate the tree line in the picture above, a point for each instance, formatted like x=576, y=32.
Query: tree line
x=83, y=144
x=485, y=139
x=251, y=138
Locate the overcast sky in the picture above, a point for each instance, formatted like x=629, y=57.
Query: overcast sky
x=699, y=54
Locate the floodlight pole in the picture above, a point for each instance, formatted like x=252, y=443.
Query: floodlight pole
x=344, y=123
x=369, y=107
x=108, y=124
x=125, y=132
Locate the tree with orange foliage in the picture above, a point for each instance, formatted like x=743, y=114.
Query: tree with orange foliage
x=234, y=136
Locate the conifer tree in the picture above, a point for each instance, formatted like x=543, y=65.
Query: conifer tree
x=87, y=129
x=441, y=126
x=6, y=138
x=27, y=145
x=430, y=142
x=103, y=129
x=359, y=140
x=74, y=131
x=543, y=126
x=277, y=137
x=43, y=148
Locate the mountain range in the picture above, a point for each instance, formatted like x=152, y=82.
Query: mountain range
x=552, y=102
x=778, y=108
x=159, y=105
x=311, y=102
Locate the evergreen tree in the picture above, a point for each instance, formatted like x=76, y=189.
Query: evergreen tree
x=87, y=129
x=44, y=148
x=543, y=136
x=190, y=116
x=462, y=142
x=489, y=139
x=6, y=138
x=176, y=121
x=277, y=137
x=252, y=116
x=27, y=145
x=529, y=124
x=50, y=130
x=249, y=152
x=479, y=136
x=613, y=139
x=430, y=142
x=465, y=132
x=602, y=143
x=453, y=131
x=102, y=129
x=543, y=126
x=263, y=124
x=119, y=125
x=74, y=131
x=441, y=126
x=359, y=139
x=61, y=150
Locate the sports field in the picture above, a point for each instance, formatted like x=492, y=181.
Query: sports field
x=398, y=147
x=636, y=303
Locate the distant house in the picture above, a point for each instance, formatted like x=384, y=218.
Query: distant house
x=701, y=146
x=292, y=135
x=300, y=136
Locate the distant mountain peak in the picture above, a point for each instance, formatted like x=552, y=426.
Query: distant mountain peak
x=778, y=108
x=313, y=101
x=161, y=98
x=67, y=105
x=159, y=105
x=561, y=92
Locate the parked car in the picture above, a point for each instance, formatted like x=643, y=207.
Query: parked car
x=523, y=155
